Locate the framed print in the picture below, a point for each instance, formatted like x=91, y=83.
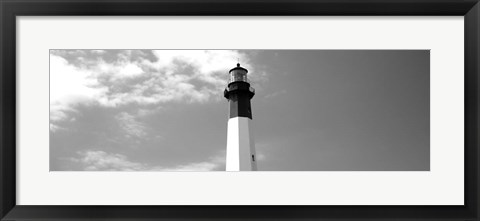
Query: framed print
x=241, y=110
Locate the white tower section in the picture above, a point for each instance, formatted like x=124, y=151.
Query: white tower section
x=240, y=144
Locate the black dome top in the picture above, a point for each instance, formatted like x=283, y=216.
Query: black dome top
x=238, y=68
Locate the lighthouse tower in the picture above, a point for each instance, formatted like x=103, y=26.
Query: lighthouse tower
x=240, y=144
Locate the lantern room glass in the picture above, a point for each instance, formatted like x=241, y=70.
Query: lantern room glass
x=238, y=75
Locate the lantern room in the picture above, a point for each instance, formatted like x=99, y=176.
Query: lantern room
x=238, y=74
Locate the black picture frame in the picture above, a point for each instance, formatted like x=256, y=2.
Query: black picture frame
x=470, y=9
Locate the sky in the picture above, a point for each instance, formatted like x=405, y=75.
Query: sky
x=314, y=110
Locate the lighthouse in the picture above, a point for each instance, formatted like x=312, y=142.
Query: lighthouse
x=240, y=143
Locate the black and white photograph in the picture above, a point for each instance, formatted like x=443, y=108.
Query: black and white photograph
x=239, y=110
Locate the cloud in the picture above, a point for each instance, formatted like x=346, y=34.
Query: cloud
x=102, y=161
x=212, y=164
x=130, y=125
x=54, y=128
x=98, y=51
x=274, y=94
x=123, y=77
x=118, y=70
x=69, y=86
x=95, y=160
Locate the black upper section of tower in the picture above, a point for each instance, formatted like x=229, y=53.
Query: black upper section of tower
x=239, y=92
